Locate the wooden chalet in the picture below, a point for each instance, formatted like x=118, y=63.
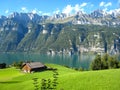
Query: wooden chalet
x=33, y=67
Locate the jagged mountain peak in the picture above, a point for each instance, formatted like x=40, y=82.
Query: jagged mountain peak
x=2, y=17
x=80, y=13
x=58, y=16
x=115, y=12
x=98, y=13
x=99, y=17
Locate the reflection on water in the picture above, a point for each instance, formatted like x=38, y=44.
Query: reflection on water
x=75, y=61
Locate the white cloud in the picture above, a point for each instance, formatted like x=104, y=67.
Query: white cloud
x=40, y=12
x=83, y=4
x=57, y=11
x=80, y=7
x=34, y=11
x=108, y=4
x=24, y=9
x=77, y=7
x=7, y=11
x=105, y=9
x=68, y=9
x=92, y=5
x=102, y=4
x=48, y=14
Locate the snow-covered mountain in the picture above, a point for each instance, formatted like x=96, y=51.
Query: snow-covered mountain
x=97, y=17
x=59, y=32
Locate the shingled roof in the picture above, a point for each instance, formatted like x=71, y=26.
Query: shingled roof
x=34, y=65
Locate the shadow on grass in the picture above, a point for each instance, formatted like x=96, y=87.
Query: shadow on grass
x=9, y=82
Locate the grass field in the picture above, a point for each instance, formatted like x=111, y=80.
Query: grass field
x=69, y=79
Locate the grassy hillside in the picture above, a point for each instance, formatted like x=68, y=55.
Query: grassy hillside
x=12, y=79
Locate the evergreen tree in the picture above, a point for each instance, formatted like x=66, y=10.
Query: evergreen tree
x=104, y=61
x=96, y=64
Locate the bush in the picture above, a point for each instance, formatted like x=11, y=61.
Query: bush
x=47, y=84
x=81, y=69
x=17, y=64
x=2, y=65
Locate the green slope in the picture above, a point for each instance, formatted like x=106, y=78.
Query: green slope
x=12, y=79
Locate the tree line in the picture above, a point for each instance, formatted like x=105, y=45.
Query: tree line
x=105, y=62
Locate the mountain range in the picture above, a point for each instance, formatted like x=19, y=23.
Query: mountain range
x=28, y=32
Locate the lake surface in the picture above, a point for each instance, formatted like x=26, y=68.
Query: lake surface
x=74, y=61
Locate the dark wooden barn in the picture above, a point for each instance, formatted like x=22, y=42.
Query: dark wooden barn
x=33, y=67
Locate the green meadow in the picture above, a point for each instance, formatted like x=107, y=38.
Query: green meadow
x=68, y=79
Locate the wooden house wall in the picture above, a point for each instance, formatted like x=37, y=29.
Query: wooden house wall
x=26, y=68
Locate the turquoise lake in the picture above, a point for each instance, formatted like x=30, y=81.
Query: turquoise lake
x=73, y=61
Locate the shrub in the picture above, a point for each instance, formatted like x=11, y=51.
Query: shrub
x=17, y=64
x=81, y=69
x=2, y=65
x=47, y=84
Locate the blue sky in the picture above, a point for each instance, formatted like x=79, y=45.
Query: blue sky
x=50, y=7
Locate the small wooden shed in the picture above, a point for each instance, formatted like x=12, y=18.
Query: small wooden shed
x=33, y=67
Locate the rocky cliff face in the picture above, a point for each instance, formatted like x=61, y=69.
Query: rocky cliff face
x=27, y=32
